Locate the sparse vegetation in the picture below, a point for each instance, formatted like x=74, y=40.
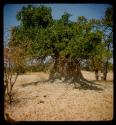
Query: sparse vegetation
x=13, y=66
x=72, y=54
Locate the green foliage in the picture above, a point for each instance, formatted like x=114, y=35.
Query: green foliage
x=40, y=35
x=31, y=16
x=108, y=19
x=110, y=66
x=65, y=18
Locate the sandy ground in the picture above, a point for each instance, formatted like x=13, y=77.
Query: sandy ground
x=37, y=100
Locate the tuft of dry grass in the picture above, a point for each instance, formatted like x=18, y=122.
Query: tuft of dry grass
x=37, y=100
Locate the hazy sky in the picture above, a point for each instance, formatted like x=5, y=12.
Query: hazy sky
x=96, y=11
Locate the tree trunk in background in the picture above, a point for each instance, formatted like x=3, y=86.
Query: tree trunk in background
x=54, y=69
x=96, y=74
x=105, y=70
x=106, y=66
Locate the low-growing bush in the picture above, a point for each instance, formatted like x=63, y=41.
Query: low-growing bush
x=37, y=68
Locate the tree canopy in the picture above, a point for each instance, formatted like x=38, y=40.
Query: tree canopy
x=40, y=35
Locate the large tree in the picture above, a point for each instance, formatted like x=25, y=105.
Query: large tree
x=67, y=42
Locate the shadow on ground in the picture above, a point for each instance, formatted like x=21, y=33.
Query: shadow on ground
x=107, y=81
x=88, y=85
x=84, y=84
x=33, y=83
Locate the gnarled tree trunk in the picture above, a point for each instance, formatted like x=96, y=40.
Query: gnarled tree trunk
x=67, y=69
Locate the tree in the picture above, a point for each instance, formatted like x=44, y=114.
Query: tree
x=68, y=43
x=12, y=68
x=103, y=51
x=107, y=22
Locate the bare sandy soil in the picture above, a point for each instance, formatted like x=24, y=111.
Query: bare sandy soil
x=37, y=100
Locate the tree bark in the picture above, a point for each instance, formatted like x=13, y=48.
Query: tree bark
x=106, y=66
x=69, y=70
x=54, y=69
x=105, y=71
x=96, y=74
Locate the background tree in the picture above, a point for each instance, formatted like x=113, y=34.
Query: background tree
x=107, y=22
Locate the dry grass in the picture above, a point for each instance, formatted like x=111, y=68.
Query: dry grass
x=37, y=100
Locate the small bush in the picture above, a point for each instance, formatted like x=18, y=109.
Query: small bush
x=37, y=68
